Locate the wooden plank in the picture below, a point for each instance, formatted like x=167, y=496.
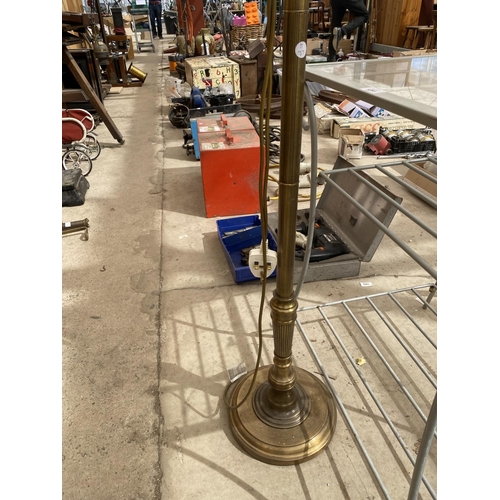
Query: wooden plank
x=392, y=17
x=91, y=95
x=77, y=20
x=73, y=95
x=409, y=17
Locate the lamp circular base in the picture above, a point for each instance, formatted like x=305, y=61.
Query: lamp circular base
x=282, y=446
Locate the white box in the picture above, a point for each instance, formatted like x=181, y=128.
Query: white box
x=351, y=142
x=371, y=124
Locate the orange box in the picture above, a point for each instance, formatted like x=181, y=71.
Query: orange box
x=252, y=13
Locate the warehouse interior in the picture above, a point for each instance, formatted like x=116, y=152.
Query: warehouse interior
x=180, y=340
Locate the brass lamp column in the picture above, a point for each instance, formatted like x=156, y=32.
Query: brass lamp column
x=289, y=416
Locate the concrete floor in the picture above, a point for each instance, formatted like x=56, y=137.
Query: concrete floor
x=152, y=320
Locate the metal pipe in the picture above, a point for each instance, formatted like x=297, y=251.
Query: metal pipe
x=410, y=317
x=403, y=343
x=423, y=452
x=428, y=199
x=345, y=415
x=372, y=394
x=421, y=171
x=432, y=292
x=356, y=299
x=400, y=207
x=76, y=226
x=425, y=302
x=394, y=163
x=384, y=361
x=429, y=432
x=381, y=226
x=382, y=168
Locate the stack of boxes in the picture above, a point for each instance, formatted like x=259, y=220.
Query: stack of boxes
x=203, y=72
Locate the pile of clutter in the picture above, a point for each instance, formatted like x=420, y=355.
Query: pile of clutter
x=188, y=101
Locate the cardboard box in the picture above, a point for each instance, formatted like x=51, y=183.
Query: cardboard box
x=351, y=142
x=350, y=109
x=322, y=44
x=370, y=124
x=324, y=118
x=314, y=43
x=205, y=71
x=248, y=75
x=344, y=45
x=372, y=110
x=422, y=184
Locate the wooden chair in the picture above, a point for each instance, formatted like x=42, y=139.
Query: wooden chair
x=317, y=16
x=414, y=33
x=434, y=33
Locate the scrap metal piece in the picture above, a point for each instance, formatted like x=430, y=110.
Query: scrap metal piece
x=76, y=227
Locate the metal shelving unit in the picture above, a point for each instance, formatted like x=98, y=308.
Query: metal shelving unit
x=387, y=345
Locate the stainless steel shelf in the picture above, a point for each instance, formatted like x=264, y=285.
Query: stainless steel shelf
x=386, y=344
x=406, y=86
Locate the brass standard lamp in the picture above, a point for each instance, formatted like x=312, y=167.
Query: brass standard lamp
x=289, y=416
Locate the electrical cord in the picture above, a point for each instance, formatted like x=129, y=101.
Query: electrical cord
x=314, y=173
x=313, y=192
x=273, y=145
x=250, y=117
x=264, y=136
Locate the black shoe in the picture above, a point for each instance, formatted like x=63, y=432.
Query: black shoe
x=160, y=37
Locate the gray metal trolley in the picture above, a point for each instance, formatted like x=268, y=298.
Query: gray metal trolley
x=139, y=11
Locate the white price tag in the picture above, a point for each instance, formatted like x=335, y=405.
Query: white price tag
x=300, y=50
x=212, y=145
x=212, y=128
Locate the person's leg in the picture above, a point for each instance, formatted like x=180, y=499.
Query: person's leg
x=361, y=15
x=337, y=12
x=159, y=27
x=152, y=19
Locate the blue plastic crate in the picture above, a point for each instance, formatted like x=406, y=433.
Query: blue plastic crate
x=233, y=244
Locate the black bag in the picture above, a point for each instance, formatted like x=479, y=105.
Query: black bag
x=74, y=187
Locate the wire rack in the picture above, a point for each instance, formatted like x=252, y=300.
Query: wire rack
x=386, y=344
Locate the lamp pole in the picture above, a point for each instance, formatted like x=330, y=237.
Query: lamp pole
x=290, y=415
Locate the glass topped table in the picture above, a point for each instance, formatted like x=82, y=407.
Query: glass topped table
x=406, y=86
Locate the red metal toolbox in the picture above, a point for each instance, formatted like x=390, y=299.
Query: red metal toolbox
x=230, y=161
